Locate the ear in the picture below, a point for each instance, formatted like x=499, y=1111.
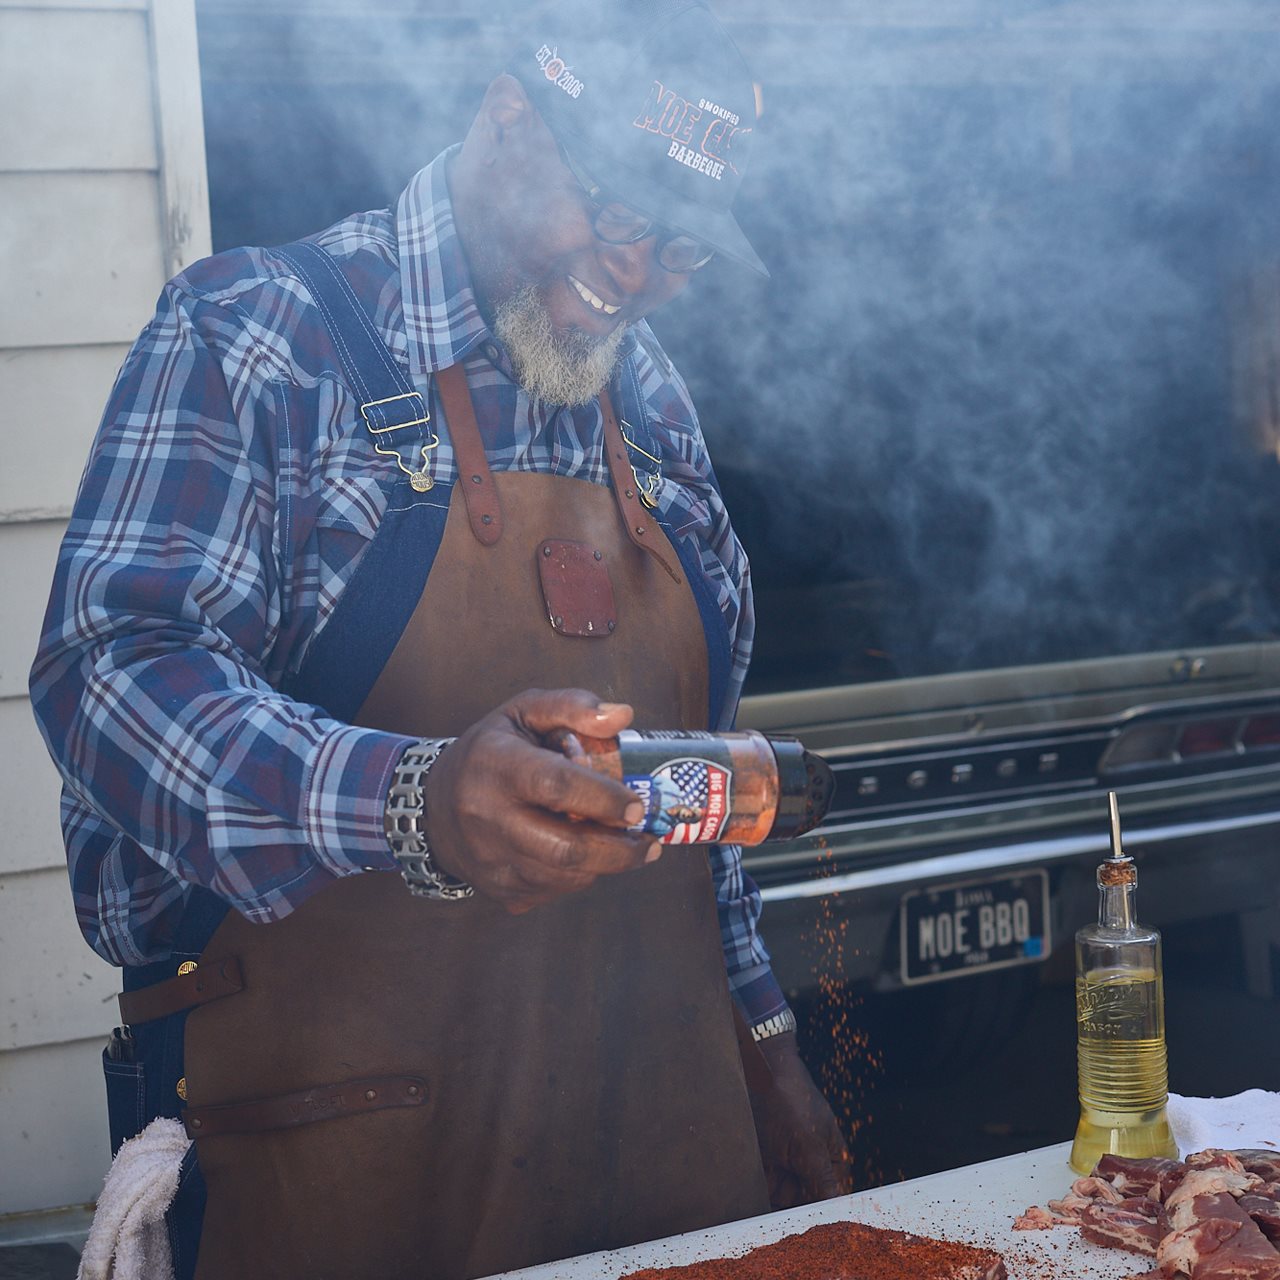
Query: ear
x=506, y=109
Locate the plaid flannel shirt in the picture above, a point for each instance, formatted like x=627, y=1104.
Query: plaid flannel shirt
x=225, y=505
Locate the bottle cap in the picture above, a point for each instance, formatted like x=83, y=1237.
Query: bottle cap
x=805, y=788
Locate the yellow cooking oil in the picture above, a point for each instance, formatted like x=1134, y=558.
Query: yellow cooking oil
x=1120, y=1041
x=1123, y=1066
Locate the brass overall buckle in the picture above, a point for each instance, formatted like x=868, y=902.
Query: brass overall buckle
x=419, y=479
x=647, y=486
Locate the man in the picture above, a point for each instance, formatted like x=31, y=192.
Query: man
x=348, y=497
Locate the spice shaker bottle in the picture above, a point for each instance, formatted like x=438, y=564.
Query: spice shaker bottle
x=697, y=788
x=1123, y=1067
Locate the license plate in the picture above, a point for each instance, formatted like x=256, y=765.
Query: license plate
x=973, y=926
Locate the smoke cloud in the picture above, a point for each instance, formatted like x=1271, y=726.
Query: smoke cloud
x=988, y=408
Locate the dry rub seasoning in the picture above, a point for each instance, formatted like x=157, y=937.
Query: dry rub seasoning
x=742, y=788
x=845, y=1251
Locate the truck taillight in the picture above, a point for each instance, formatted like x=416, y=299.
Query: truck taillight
x=1261, y=731
x=1209, y=737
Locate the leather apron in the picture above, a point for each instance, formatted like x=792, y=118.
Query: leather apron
x=417, y=1088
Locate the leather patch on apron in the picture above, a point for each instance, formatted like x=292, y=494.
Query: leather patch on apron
x=576, y=588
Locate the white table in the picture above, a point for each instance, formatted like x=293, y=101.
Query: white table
x=976, y=1205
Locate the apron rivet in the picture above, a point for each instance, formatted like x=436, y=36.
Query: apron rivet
x=639, y=528
x=631, y=493
x=196, y=1124
x=612, y=624
x=413, y=1091
x=486, y=519
x=370, y=1094
x=546, y=551
x=559, y=622
x=476, y=480
x=599, y=555
x=181, y=1088
x=187, y=966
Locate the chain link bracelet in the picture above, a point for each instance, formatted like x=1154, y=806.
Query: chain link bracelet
x=405, y=820
x=778, y=1025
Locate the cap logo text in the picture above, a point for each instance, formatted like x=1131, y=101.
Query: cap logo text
x=716, y=109
x=553, y=67
x=699, y=146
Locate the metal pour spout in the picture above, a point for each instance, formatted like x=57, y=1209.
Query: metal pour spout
x=1116, y=851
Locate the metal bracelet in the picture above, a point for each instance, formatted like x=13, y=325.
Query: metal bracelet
x=405, y=820
x=778, y=1025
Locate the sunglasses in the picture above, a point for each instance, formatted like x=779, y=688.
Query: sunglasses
x=618, y=223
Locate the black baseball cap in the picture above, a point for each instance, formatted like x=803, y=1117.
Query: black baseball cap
x=654, y=102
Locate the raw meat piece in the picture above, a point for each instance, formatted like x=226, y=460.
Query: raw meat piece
x=1038, y=1219
x=1137, y=1177
x=1182, y=1252
x=1265, y=1211
x=1214, y=1238
x=1266, y=1164
x=1084, y=1191
x=1069, y=1211
x=1220, y=1178
x=1214, y=1158
x=845, y=1251
x=1136, y=1224
x=1219, y=1215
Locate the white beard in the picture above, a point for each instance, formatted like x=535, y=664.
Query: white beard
x=561, y=368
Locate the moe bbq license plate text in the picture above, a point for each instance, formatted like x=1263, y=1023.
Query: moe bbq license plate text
x=973, y=925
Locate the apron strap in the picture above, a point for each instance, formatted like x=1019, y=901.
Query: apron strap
x=198, y=985
x=484, y=510
x=306, y=1106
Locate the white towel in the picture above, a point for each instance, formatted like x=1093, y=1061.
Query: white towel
x=128, y=1224
x=1249, y=1119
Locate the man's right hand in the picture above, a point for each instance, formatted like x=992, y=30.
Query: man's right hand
x=519, y=822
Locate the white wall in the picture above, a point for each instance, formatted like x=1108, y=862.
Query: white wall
x=102, y=198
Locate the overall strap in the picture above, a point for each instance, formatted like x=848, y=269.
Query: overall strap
x=346, y=657
x=626, y=488
x=643, y=452
x=337, y=672
x=394, y=412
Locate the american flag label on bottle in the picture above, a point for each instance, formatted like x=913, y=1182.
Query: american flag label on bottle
x=686, y=800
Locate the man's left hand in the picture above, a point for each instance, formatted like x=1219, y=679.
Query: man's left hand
x=805, y=1157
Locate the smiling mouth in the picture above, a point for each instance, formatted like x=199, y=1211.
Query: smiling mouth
x=592, y=300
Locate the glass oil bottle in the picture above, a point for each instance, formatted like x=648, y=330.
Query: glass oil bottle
x=1123, y=1067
